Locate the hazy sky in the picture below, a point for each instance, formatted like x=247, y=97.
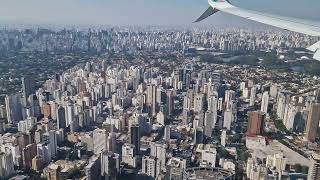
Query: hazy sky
x=155, y=12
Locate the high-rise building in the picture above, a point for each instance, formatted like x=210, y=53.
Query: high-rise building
x=199, y=102
x=6, y=165
x=61, y=117
x=14, y=108
x=150, y=166
x=212, y=104
x=209, y=123
x=135, y=137
x=158, y=150
x=228, y=119
x=283, y=100
x=3, y=111
x=208, y=155
x=229, y=98
x=265, y=102
x=53, y=142
x=170, y=102
x=161, y=118
x=255, y=123
x=223, y=137
x=128, y=156
x=26, y=125
x=93, y=169
x=46, y=110
x=188, y=101
x=167, y=133
x=255, y=170
x=111, y=142
x=100, y=137
x=274, y=90
x=159, y=96
x=44, y=151
x=242, y=86
x=313, y=122
x=37, y=163
x=2, y=125
x=253, y=95
x=110, y=165
x=151, y=99
x=198, y=135
x=28, y=87
x=28, y=153
x=175, y=168
x=277, y=162
x=69, y=113
x=314, y=169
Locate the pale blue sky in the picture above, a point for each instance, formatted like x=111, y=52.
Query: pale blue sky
x=136, y=12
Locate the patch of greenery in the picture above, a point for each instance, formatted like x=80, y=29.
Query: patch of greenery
x=243, y=154
x=270, y=61
x=280, y=126
x=238, y=60
x=301, y=169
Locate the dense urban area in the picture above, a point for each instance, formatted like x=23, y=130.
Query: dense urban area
x=158, y=103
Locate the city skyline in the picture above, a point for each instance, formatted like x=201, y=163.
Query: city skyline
x=141, y=12
x=119, y=89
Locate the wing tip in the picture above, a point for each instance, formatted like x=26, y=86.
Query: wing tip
x=210, y=11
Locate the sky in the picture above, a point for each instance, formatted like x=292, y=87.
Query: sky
x=142, y=12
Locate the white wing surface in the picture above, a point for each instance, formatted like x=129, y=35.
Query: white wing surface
x=291, y=24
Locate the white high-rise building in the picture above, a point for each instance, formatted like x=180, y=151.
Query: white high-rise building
x=223, y=137
x=188, y=101
x=245, y=93
x=212, y=103
x=282, y=102
x=27, y=124
x=160, y=118
x=290, y=115
x=229, y=98
x=277, y=161
x=100, y=137
x=228, y=119
x=220, y=104
x=158, y=150
x=274, y=91
x=208, y=155
x=150, y=166
x=242, y=86
x=69, y=115
x=253, y=95
x=198, y=102
x=128, y=156
x=314, y=169
x=265, y=102
x=159, y=96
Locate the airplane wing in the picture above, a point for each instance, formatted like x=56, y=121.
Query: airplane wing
x=291, y=24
